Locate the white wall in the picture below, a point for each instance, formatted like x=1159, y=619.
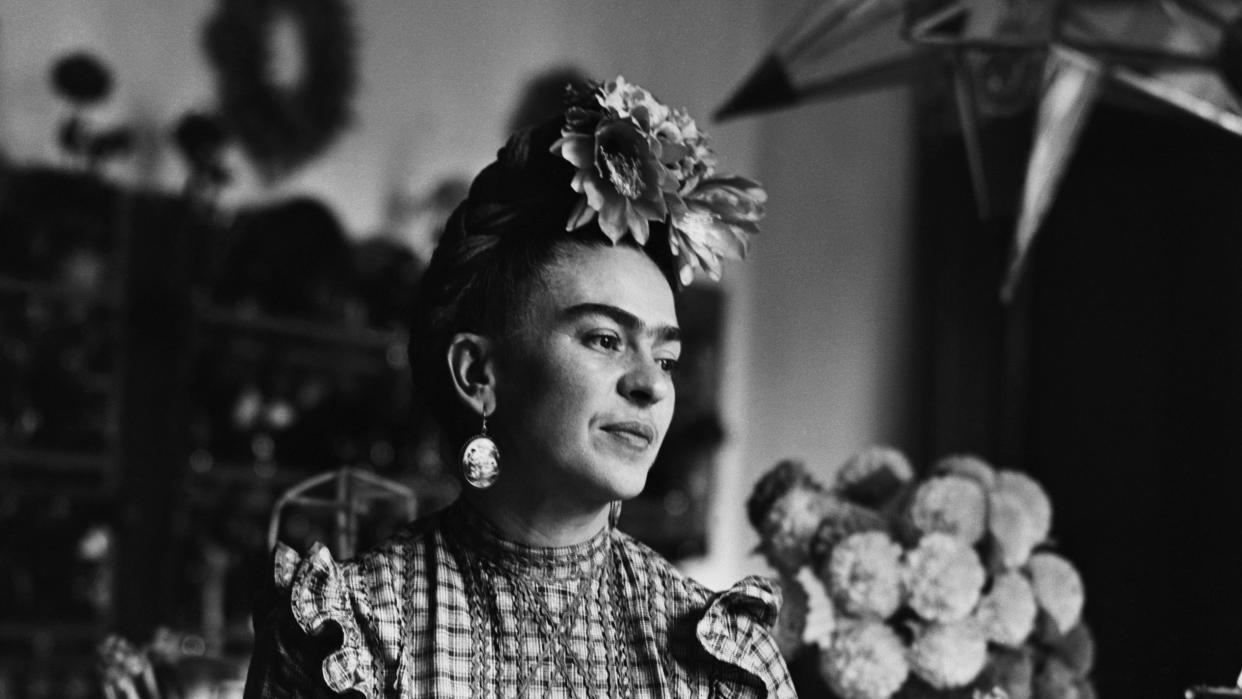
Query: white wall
x=819, y=331
x=822, y=346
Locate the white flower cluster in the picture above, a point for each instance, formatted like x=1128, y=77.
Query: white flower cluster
x=865, y=660
x=791, y=525
x=949, y=655
x=863, y=574
x=955, y=505
x=1007, y=613
x=945, y=579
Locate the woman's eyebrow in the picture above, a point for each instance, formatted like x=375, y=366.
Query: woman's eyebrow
x=627, y=320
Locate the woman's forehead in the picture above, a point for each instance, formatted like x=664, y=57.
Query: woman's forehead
x=619, y=276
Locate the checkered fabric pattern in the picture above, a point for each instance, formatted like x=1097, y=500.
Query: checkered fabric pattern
x=401, y=621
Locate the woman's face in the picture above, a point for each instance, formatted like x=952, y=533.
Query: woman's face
x=584, y=391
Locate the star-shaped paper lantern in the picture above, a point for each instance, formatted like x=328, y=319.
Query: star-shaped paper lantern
x=1007, y=54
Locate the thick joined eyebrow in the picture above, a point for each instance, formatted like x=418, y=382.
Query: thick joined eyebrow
x=627, y=320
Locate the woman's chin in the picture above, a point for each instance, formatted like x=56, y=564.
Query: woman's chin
x=632, y=488
x=619, y=480
x=630, y=493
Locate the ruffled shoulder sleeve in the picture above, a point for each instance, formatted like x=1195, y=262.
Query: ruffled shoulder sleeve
x=308, y=642
x=736, y=630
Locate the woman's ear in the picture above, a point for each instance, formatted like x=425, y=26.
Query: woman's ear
x=472, y=363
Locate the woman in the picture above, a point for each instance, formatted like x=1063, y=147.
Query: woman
x=545, y=342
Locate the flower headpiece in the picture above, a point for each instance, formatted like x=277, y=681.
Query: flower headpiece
x=638, y=161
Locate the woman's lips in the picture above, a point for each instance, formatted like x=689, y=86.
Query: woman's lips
x=637, y=434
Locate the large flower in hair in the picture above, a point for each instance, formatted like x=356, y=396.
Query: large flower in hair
x=639, y=161
x=617, y=157
x=620, y=177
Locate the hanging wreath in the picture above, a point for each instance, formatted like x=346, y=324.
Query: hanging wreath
x=283, y=126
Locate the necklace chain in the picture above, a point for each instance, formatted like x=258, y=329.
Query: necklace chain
x=622, y=647
x=483, y=575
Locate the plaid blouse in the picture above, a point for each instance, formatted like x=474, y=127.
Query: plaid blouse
x=407, y=619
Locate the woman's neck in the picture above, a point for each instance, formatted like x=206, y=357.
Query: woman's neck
x=541, y=522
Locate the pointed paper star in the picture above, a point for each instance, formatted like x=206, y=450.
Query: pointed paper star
x=1007, y=54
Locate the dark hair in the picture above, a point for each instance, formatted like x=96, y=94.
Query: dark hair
x=543, y=95
x=495, y=246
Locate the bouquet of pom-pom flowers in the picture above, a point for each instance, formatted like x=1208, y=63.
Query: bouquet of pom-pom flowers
x=941, y=586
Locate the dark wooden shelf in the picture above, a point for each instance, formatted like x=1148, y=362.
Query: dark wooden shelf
x=55, y=630
x=165, y=329
x=55, y=460
x=293, y=329
x=52, y=290
x=236, y=472
x=82, y=476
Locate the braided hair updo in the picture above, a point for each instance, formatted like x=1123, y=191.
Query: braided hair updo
x=495, y=246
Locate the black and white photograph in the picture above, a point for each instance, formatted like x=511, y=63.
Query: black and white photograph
x=841, y=349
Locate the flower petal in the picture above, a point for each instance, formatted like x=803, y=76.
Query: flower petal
x=612, y=220
x=686, y=273
x=651, y=210
x=578, y=150
x=671, y=151
x=578, y=183
x=701, y=257
x=637, y=224
x=735, y=197
x=595, y=191
x=701, y=227
x=581, y=216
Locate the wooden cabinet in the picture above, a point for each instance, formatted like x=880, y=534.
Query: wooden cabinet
x=61, y=396
x=147, y=424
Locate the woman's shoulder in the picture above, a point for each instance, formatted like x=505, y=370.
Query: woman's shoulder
x=754, y=596
x=390, y=556
x=315, y=579
x=734, y=625
x=654, y=572
x=736, y=629
x=362, y=597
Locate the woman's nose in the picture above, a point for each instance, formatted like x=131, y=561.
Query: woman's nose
x=646, y=383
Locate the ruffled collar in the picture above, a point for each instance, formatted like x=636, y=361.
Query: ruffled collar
x=480, y=537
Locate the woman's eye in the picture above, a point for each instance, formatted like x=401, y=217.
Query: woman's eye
x=668, y=365
x=604, y=341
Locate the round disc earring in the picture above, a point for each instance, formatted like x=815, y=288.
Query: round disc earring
x=480, y=459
